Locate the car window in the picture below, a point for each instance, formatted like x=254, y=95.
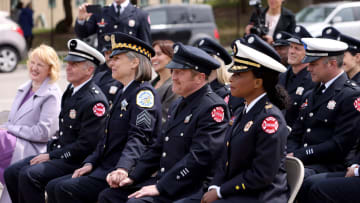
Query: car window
x=158, y=17
x=345, y=15
x=200, y=15
x=356, y=12
x=178, y=15
x=313, y=14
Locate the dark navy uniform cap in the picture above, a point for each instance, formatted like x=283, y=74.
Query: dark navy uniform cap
x=298, y=33
x=188, y=57
x=80, y=51
x=106, y=42
x=316, y=48
x=281, y=39
x=212, y=47
x=252, y=52
x=332, y=33
x=121, y=42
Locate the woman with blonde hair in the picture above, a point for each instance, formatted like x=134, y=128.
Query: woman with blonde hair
x=33, y=118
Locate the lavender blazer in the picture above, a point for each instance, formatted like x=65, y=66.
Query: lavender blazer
x=36, y=120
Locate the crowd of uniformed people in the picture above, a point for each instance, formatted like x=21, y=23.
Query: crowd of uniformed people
x=210, y=127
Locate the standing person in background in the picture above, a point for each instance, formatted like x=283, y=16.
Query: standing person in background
x=33, y=118
x=163, y=82
x=121, y=16
x=26, y=22
x=277, y=18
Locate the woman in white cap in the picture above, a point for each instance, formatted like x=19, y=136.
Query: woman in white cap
x=253, y=166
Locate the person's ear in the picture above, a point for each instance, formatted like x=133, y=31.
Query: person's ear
x=135, y=63
x=258, y=83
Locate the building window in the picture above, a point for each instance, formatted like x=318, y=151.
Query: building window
x=163, y=1
x=79, y=2
x=185, y=1
x=100, y=2
x=52, y=3
x=144, y=2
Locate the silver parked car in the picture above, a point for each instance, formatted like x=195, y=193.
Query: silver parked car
x=343, y=15
x=12, y=43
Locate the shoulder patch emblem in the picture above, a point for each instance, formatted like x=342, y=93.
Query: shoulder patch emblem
x=145, y=99
x=99, y=109
x=218, y=114
x=270, y=125
x=357, y=104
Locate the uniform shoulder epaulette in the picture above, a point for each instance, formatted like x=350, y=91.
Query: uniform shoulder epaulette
x=95, y=90
x=268, y=106
x=350, y=83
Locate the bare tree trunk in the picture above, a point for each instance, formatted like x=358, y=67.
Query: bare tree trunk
x=64, y=25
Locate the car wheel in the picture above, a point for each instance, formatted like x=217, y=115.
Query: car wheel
x=8, y=59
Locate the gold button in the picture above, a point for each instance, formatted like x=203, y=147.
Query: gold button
x=162, y=170
x=104, y=146
x=181, y=134
x=166, y=138
x=164, y=154
x=227, y=163
x=237, y=187
x=106, y=131
x=227, y=143
x=121, y=115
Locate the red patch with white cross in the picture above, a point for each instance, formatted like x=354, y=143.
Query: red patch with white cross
x=226, y=99
x=218, y=114
x=99, y=109
x=270, y=125
x=357, y=104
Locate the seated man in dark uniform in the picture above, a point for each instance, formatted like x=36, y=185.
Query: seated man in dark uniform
x=120, y=16
x=325, y=130
x=351, y=63
x=189, y=145
x=297, y=79
x=82, y=124
x=103, y=78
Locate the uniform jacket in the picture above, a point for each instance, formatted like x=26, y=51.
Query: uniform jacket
x=356, y=78
x=35, y=121
x=132, y=21
x=223, y=91
x=254, y=156
x=108, y=85
x=286, y=21
x=188, y=146
x=82, y=124
x=326, y=129
x=296, y=86
x=167, y=96
x=130, y=129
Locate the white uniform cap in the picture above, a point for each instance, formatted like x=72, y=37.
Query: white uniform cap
x=80, y=51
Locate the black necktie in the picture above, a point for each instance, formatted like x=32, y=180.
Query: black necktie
x=319, y=91
x=180, y=107
x=71, y=90
x=118, y=10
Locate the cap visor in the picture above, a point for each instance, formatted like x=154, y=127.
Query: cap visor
x=176, y=65
x=309, y=59
x=294, y=40
x=117, y=52
x=74, y=58
x=106, y=49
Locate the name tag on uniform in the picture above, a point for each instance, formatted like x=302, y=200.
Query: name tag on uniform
x=299, y=91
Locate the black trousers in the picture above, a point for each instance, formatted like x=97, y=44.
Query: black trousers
x=26, y=183
x=81, y=189
x=196, y=198
x=335, y=188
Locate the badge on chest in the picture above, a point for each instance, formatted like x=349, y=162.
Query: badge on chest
x=72, y=113
x=187, y=118
x=299, y=91
x=248, y=126
x=331, y=105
